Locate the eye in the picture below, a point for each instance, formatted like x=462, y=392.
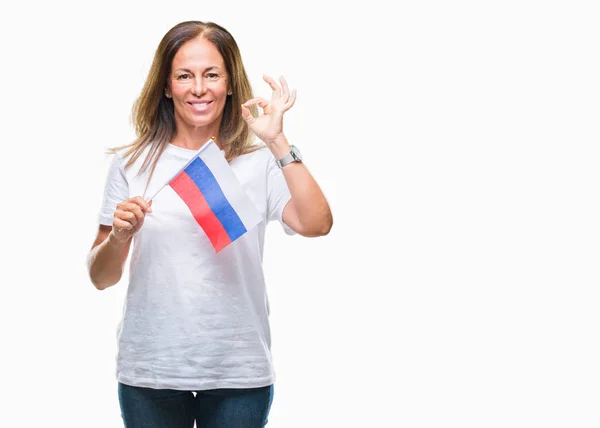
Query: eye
x=183, y=77
x=212, y=76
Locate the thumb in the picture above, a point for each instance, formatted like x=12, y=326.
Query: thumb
x=149, y=209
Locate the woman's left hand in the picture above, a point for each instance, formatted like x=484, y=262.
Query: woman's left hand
x=269, y=126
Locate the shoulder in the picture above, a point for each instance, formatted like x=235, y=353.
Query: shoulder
x=119, y=156
x=116, y=159
x=260, y=156
x=123, y=159
x=254, y=167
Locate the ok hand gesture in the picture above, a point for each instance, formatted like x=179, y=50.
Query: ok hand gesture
x=269, y=126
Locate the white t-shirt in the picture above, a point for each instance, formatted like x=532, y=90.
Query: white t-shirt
x=194, y=319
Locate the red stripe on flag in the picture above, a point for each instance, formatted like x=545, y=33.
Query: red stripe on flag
x=187, y=190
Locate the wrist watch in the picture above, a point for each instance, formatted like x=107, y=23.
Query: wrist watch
x=293, y=156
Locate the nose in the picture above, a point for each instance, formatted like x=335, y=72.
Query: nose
x=198, y=87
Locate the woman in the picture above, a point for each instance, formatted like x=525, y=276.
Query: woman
x=194, y=340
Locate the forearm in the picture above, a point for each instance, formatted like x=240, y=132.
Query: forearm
x=311, y=207
x=106, y=262
x=309, y=204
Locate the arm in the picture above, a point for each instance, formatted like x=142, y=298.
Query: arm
x=308, y=212
x=109, y=252
x=107, y=258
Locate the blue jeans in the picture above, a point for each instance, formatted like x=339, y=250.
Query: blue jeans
x=213, y=408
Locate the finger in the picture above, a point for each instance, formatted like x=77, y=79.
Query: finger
x=121, y=225
x=149, y=209
x=285, y=91
x=273, y=84
x=261, y=102
x=140, y=201
x=134, y=208
x=127, y=216
x=139, y=215
x=129, y=204
x=247, y=116
x=291, y=101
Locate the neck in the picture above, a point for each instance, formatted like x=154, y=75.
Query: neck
x=194, y=138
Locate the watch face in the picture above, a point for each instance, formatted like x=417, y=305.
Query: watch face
x=296, y=153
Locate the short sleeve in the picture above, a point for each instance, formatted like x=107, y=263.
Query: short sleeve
x=116, y=190
x=278, y=195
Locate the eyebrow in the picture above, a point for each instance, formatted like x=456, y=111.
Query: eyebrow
x=187, y=70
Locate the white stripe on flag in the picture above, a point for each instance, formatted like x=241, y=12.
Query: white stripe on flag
x=231, y=187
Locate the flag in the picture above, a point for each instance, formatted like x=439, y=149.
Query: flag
x=215, y=197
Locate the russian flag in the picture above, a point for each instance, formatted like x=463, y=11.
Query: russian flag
x=215, y=197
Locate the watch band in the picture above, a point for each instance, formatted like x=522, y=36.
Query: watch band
x=292, y=156
x=287, y=159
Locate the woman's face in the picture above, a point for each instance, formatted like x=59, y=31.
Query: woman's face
x=198, y=85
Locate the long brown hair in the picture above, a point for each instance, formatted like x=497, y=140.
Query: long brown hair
x=153, y=112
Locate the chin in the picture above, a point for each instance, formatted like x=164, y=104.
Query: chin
x=198, y=123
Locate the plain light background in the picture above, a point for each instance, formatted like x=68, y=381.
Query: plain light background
x=457, y=143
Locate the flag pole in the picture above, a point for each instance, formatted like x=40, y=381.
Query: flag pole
x=200, y=150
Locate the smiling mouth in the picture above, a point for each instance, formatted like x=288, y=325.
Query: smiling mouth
x=200, y=106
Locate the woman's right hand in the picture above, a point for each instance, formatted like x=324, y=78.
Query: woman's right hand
x=129, y=217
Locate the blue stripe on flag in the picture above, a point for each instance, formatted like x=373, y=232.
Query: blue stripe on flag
x=218, y=203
